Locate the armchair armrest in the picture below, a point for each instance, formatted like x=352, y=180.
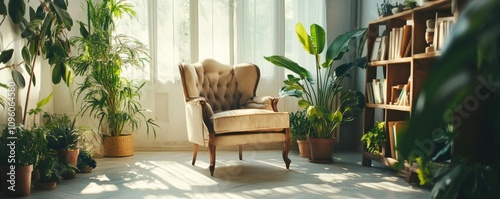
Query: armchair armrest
x=198, y=113
x=263, y=102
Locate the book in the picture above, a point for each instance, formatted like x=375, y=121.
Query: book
x=405, y=40
x=395, y=127
x=376, y=49
x=383, y=47
x=376, y=91
x=369, y=92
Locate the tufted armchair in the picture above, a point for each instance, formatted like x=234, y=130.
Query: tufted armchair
x=222, y=109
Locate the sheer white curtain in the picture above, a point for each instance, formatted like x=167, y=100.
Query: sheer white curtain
x=230, y=31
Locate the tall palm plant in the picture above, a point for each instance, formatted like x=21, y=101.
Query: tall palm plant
x=106, y=94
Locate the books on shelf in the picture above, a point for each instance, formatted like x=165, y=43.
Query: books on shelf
x=399, y=42
x=395, y=127
x=376, y=91
x=444, y=25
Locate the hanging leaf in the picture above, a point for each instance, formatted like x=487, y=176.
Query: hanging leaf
x=44, y=101
x=3, y=8
x=18, y=78
x=3, y=85
x=26, y=55
x=32, y=13
x=63, y=16
x=56, y=74
x=17, y=8
x=83, y=31
x=61, y=3
x=40, y=14
x=6, y=55
x=69, y=75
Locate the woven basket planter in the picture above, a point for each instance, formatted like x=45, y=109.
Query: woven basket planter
x=119, y=146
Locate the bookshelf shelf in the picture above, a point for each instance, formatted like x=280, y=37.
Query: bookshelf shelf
x=393, y=61
x=398, y=66
x=430, y=55
x=389, y=106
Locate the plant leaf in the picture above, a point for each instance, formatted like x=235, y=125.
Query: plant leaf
x=304, y=38
x=341, y=45
x=3, y=8
x=18, y=78
x=56, y=74
x=26, y=55
x=17, y=8
x=64, y=16
x=284, y=62
x=44, y=101
x=318, y=38
x=6, y=55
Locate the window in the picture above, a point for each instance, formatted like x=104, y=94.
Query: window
x=230, y=31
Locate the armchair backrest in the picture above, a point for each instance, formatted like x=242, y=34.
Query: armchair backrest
x=224, y=87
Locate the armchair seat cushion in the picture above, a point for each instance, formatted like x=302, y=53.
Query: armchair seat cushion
x=249, y=120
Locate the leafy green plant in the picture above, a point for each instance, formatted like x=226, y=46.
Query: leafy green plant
x=106, y=95
x=45, y=34
x=374, y=138
x=29, y=145
x=468, y=73
x=410, y=4
x=85, y=160
x=62, y=134
x=299, y=125
x=47, y=166
x=318, y=96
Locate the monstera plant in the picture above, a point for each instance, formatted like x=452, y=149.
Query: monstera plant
x=328, y=105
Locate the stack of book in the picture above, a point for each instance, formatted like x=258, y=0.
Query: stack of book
x=442, y=31
x=376, y=91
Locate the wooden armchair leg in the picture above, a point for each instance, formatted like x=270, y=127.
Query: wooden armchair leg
x=286, y=148
x=195, y=153
x=241, y=152
x=211, y=148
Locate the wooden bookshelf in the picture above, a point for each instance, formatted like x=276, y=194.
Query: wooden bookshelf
x=411, y=69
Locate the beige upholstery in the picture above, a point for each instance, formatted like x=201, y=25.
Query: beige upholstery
x=222, y=109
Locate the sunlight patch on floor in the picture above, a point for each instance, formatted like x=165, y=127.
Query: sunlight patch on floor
x=146, y=185
x=389, y=186
x=171, y=172
x=94, y=188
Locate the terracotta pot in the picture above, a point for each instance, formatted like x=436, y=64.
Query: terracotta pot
x=321, y=150
x=45, y=186
x=304, y=148
x=22, y=180
x=69, y=156
x=119, y=146
x=86, y=170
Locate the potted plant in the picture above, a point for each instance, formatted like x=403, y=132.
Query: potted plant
x=318, y=95
x=375, y=138
x=63, y=137
x=49, y=175
x=17, y=168
x=106, y=95
x=85, y=162
x=299, y=131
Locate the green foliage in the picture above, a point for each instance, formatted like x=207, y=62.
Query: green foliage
x=469, y=69
x=318, y=96
x=62, y=134
x=29, y=145
x=47, y=166
x=45, y=33
x=374, y=138
x=410, y=3
x=106, y=95
x=299, y=125
x=85, y=160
